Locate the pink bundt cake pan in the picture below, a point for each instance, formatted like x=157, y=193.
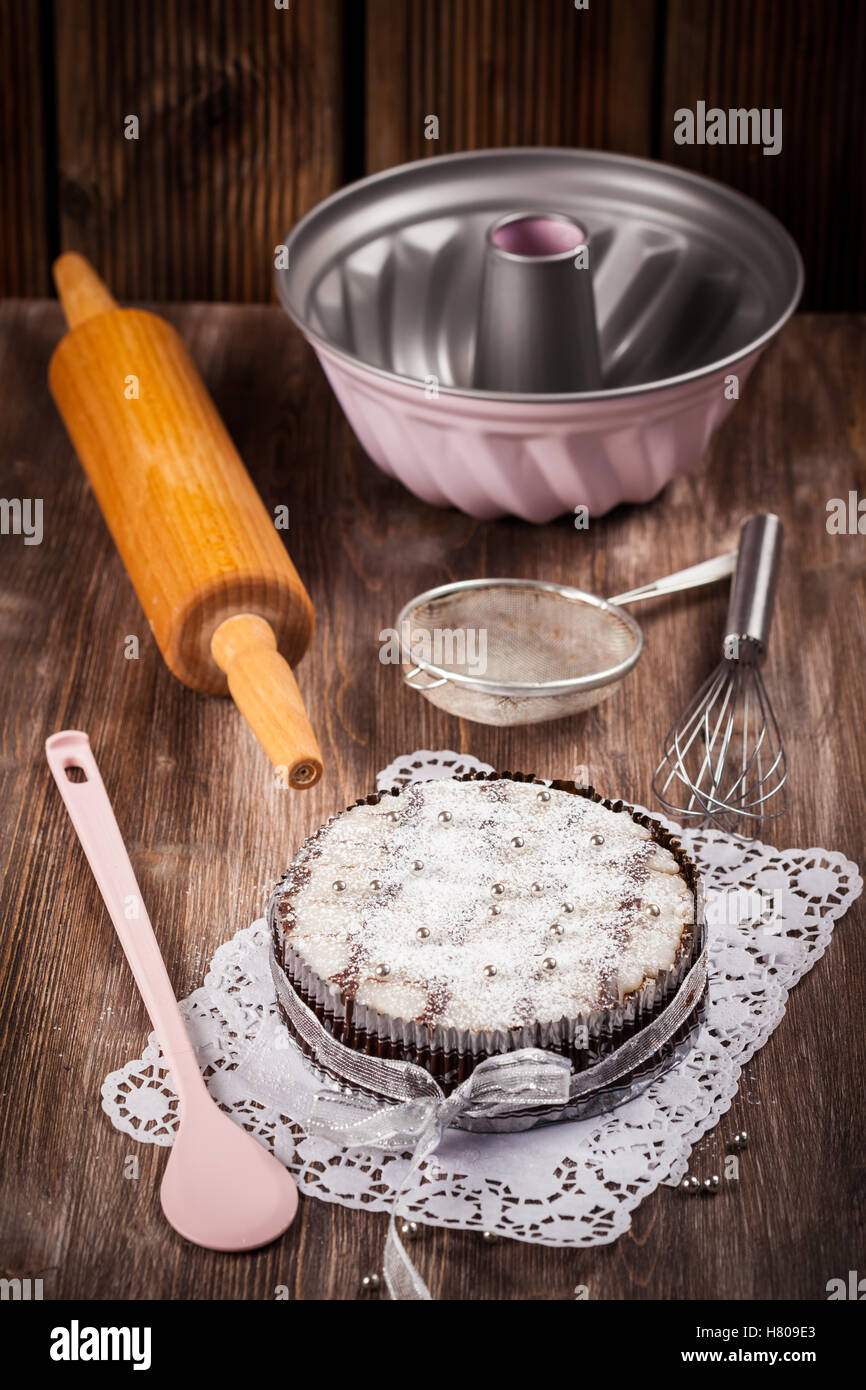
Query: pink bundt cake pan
x=532, y=460
x=689, y=283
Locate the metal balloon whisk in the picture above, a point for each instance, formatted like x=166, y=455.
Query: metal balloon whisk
x=724, y=760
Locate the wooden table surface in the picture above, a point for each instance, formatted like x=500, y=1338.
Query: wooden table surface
x=208, y=831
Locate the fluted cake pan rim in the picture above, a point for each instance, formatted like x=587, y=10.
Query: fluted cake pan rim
x=701, y=183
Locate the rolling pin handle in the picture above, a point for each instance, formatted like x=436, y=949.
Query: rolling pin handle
x=80, y=290
x=263, y=687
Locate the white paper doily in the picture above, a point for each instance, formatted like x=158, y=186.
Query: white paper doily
x=771, y=914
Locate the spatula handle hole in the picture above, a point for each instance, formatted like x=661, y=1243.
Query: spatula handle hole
x=75, y=773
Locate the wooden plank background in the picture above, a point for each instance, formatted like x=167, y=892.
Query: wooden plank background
x=27, y=217
x=809, y=58
x=239, y=109
x=501, y=72
x=249, y=115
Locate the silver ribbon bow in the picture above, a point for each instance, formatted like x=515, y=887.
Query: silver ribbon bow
x=526, y=1078
x=500, y=1085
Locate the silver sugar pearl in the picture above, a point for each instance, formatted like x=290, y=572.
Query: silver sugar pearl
x=444, y=817
x=653, y=909
x=543, y=796
x=498, y=889
x=422, y=933
x=382, y=971
x=417, y=865
x=392, y=817
x=494, y=910
x=549, y=962
x=490, y=1237
x=490, y=971
x=518, y=842
x=536, y=888
x=568, y=907
x=596, y=839
x=691, y=1183
x=556, y=929
x=338, y=885
x=711, y=1184
x=370, y=1281
x=409, y=1230
x=375, y=885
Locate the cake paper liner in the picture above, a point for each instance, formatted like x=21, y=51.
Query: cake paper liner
x=449, y=1055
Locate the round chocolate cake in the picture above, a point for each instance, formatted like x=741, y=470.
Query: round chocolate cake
x=456, y=919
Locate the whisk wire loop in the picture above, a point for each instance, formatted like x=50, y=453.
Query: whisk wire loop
x=724, y=760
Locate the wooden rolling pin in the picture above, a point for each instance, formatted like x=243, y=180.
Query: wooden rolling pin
x=211, y=573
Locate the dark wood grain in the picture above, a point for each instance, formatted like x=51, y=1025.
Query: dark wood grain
x=249, y=115
x=26, y=149
x=239, y=112
x=208, y=832
x=808, y=60
x=501, y=72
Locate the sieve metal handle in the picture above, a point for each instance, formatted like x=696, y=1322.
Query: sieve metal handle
x=751, y=607
x=407, y=677
x=708, y=572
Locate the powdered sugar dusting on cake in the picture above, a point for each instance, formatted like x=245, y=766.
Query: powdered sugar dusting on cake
x=485, y=905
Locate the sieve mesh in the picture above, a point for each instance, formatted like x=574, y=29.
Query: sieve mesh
x=498, y=638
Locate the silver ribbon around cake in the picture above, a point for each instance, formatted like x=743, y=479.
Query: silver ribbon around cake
x=530, y=1077
x=419, y=1112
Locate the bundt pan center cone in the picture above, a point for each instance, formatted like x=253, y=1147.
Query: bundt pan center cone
x=527, y=331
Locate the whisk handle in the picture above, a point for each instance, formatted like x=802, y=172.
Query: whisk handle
x=751, y=607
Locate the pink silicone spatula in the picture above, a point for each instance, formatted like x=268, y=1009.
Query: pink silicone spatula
x=220, y=1189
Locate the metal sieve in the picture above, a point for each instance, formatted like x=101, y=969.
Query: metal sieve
x=521, y=651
